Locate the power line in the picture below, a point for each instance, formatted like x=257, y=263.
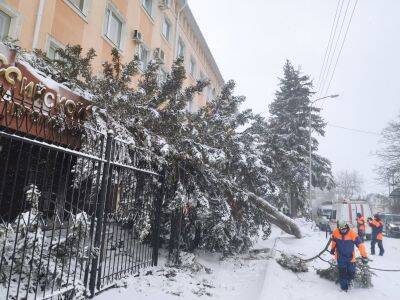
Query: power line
x=355, y=130
x=341, y=48
x=328, y=46
x=324, y=66
x=335, y=48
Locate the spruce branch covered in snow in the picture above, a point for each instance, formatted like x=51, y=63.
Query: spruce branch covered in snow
x=362, y=279
x=292, y=262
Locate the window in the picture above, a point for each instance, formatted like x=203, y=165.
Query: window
x=81, y=7
x=192, y=67
x=148, y=6
x=143, y=54
x=52, y=45
x=166, y=29
x=162, y=76
x=113, y=26
x=52, y=52
x=79, y=4
x=181, y=49
x=5, y=21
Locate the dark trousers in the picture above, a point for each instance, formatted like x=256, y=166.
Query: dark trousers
x=347, y=272
x=380, y=246
x=361, y=234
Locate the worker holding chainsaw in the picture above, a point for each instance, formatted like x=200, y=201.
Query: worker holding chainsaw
x=342, y=246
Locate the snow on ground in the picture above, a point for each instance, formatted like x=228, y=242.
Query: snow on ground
x=258, y=276
x=282, y=284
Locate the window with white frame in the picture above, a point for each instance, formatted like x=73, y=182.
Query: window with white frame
x=166, y=29
x=81, y=7
x=162, y=76
x=79, y=4
x=52, y=51
x=181, y=48
x=113, y=26
x=5, y=22
x=52, y=45
x=192, y=67
x=144, y=55
x=148, y=6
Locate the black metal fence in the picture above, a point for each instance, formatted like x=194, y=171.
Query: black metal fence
x=74, y=219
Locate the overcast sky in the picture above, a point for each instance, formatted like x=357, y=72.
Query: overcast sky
x=251, y=39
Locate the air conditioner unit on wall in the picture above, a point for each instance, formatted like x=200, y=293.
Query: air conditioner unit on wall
x=164, y=4
x=159, y=54
x=137, y=36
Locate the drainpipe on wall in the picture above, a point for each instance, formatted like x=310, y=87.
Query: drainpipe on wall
x=39, y=15
x=178, y=16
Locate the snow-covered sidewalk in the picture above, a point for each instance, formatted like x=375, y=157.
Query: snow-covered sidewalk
x=256, y=276
x=236, y=278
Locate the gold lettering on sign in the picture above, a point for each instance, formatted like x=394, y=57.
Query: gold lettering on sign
x=49, y=100
x=28, y=90
x=39, y=91
x=9, y=72
x=70, y=107
x=3, y=61
x=41, y=102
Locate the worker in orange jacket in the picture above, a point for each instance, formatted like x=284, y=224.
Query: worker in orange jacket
x=342, y=246
x=376, y=235
x=360, y=226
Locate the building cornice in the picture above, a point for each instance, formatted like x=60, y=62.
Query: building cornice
x=199, y=35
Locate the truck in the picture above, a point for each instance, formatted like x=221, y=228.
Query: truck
x=324, y=214
x=346, y=210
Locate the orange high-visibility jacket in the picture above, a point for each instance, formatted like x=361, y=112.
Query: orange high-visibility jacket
x=377, y=228
x=343, y=245
x=361, y=223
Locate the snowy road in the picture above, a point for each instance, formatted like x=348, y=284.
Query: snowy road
x=282, y=284
x=255, y=277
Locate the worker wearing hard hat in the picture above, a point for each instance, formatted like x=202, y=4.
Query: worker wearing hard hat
x=361, y=226
x=342, y=246
x=376, y=235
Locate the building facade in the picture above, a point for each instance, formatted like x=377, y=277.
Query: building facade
x=163, y=29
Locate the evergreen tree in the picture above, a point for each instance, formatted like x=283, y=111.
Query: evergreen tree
x=288, y=139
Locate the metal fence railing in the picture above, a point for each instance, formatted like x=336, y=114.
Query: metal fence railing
x=74, y=218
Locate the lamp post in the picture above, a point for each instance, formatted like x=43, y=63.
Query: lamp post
x=310, y=143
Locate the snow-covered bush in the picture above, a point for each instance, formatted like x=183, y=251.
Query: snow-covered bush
x=33, y=262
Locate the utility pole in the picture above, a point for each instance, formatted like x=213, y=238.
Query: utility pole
x=310, y=143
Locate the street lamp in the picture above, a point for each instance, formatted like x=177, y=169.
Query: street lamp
x=310, y=144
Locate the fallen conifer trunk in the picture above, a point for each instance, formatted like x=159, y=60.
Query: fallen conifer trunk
x=276, y=217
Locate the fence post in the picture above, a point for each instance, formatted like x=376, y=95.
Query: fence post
x=100, y=214
x=157, y=218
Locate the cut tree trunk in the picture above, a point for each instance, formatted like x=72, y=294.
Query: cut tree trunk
x=276, y=217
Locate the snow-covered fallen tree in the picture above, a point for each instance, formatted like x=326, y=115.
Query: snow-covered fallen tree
x=226, y=173
x=276, y=217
